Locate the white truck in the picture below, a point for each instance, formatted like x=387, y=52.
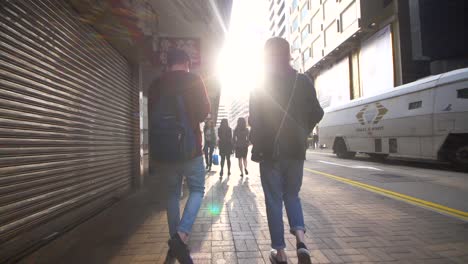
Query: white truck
x=426, y=119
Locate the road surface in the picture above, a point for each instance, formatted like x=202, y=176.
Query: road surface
x=434, y=186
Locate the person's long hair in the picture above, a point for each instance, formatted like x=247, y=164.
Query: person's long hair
x=241, y=124
x=224, y=124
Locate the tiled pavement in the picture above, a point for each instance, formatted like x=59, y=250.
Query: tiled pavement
x=345, y=225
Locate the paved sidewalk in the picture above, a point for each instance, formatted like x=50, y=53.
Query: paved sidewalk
x=345, y=225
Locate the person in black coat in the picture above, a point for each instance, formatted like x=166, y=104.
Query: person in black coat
x=283, y=112
x=225, y=145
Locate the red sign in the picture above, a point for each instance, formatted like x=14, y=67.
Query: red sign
x=190, y=45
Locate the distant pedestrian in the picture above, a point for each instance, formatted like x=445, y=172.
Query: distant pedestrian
x=283, y=113
x=241, y=144
x=225, y=145
x=177, y=105
x=210, y=143
x=315, y=141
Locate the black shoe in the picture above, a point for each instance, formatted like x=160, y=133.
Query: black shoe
x=180, y=250
x=229, y=173
x=221, y=174
x=273, y=258
x=242, y=175
x=170, y=258
x=303, y=254
x=246, y=172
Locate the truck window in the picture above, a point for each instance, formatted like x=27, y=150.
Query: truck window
x=415, y=105
x=462, y=93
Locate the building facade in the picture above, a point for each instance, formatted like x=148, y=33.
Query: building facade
x=360, y=48
x=278, y=12
x=239, y=108
x=223, y=112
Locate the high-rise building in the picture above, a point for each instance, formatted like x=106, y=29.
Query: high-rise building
x=239, y=108
x=278, y=13
x=356, y=48
x=223, y=112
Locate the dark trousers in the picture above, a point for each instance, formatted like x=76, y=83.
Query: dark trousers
x=208, y=150
x=228, y=159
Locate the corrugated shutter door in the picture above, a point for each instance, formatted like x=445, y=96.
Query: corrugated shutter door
x=68, y=129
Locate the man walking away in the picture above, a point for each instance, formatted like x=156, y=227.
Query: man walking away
x=283, y=113
x=177, y=105
x=315, y=141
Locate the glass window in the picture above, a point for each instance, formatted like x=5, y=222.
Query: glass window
x=463, y=93
x=415, y=105
x=297, y=64
x=280, y=23
x=296, y=44
x=295, y=24
x=281, y=9
x=306, y=55
x=294, y=4
x=305, y=33
x=304, y=11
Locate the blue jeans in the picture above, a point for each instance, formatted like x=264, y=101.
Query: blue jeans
x=281, y=182
x=194, y=171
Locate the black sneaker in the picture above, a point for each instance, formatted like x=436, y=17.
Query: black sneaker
x=303, y=254
x=246, y=172
x=170, y=258
x=180, y=250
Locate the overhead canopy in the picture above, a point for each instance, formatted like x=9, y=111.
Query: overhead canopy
x=136, y=27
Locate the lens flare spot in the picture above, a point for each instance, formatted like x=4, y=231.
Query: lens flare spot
x=214, y=209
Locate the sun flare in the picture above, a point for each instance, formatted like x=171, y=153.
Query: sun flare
x=240, y=64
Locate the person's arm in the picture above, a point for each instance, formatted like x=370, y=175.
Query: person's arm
x=254, y=115
x=314, y=110
x=201, y=102
x=234, y=138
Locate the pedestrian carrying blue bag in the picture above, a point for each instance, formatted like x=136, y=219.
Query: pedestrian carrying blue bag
x=172, y=136
x=215, y=159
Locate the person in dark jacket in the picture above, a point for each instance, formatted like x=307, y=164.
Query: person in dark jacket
x=210, y=143
x=225, y=145
x=283, y=112
x=241, y=144
x=179, y=81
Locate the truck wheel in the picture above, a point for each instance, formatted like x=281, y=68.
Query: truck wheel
x=342, y=151
x=460, y=157
x=378, y=157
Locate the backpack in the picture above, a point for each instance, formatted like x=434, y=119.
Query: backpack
x=172, y=137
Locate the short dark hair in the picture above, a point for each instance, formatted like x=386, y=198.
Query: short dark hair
x=177, y=56
x=278, y=47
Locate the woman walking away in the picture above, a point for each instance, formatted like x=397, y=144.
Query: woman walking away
x=210, y=143
x=225, y=145
x=241, y=144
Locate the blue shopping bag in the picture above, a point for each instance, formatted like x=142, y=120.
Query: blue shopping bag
x=215, y=159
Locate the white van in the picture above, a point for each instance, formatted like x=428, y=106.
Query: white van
x=426, y=119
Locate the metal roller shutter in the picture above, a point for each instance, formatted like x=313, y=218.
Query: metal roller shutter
x=68, y=129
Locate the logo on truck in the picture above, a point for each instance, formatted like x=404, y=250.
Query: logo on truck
x=371, y=115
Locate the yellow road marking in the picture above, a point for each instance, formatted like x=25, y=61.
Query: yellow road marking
x=413, y=200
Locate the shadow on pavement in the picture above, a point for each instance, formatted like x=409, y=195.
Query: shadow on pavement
x=130, y=227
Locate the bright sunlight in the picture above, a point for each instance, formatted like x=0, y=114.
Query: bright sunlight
x=240, y=63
